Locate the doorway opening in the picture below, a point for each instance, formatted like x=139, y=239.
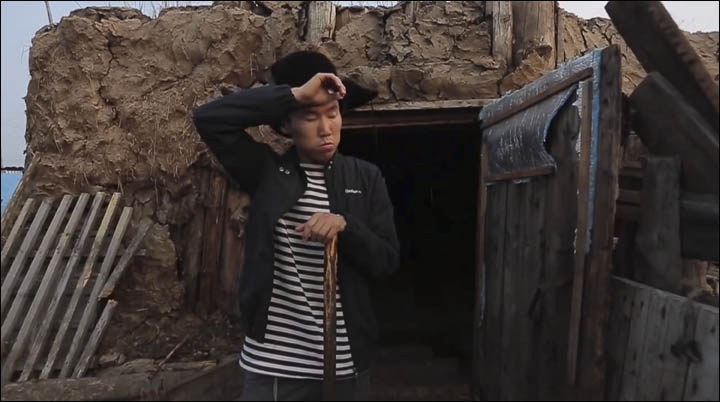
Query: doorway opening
x=425, y=310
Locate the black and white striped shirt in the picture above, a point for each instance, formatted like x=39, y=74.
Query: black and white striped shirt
x=293, y=344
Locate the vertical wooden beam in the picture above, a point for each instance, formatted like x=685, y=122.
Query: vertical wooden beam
x=193, y=247
x=533, y=27
x=502, y=31
x=492, y=329
x=591, y=378
x=657, y=250
x=480, y=284
x=212, y=242
x=75, y=256
x=559, y=37
x=233, y=248
x=321, y=21
x=618, y=332
x=581, y=242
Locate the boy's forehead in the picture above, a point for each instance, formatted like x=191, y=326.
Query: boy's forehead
x=320, y=108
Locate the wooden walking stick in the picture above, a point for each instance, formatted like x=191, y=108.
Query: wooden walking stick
x=329, y=323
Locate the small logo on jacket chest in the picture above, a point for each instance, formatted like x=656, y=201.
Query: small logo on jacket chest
x=352, y=191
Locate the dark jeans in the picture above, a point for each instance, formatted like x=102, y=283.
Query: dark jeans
x=259, y=387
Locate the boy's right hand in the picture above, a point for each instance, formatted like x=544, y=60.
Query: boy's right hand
x=320, y=89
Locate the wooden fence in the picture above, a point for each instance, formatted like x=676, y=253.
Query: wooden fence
x=660, y=345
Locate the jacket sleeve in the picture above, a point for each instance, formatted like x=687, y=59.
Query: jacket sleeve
x=372, y=246
x=221, y=124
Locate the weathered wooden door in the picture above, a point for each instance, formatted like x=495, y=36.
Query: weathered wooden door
x=545, y=233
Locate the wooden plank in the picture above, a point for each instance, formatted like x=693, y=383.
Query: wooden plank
x=42, y=335
x=553, y=298
x=702, y=378
x=509, y=370
x=635, y=347
x=480, y=284
x=649, y=366
x=18, y=311
x=659, y=45
x=618, y=332
x=39, y=304
x=658, y=258
x=14, y=237
x=192, y=258
x=211, y=241
x=89, y=314
x=675, y=368
x=530, y=274
x=581, y=243
x=125, y=259
x=79, y=288
x=18, y=265
x=591, y=377
x=420, y=105
x=663, y=375
x=95, y=338
x=192, y=253
x=551, y=90
x=502, y=37
x=560, y=21
x=320, y=22
x=669, y=126
x=523, y=265
x=495, y=227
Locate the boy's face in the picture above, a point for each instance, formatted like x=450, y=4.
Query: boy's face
x=315, y=131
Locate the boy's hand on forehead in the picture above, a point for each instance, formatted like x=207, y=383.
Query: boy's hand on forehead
x=320, y=89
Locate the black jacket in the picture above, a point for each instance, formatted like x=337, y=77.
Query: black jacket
x=368, y=248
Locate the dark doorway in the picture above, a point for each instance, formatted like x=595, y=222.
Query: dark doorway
x=425, y=310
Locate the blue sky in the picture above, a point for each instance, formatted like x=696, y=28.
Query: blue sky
x=21, y=19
